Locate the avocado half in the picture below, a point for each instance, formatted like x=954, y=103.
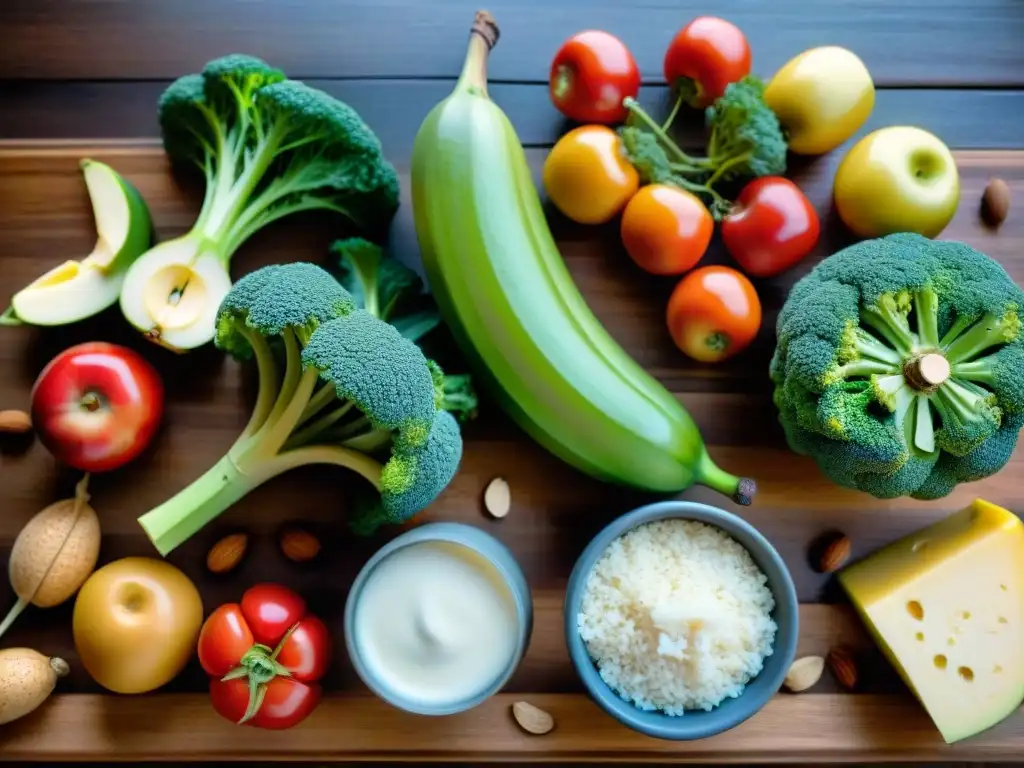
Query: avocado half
x=76, y=290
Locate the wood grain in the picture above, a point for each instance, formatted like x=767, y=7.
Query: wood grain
x=44, y=218
x=805, y=728
x=964, y=119
x=903, y=42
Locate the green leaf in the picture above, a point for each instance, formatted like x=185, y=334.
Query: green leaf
x=379, y=284
x=417, y=325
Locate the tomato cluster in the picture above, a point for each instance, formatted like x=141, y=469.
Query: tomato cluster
x=714, y=312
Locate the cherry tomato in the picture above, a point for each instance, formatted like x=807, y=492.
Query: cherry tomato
x=96, y=406
x=713, y=313
x=587, y=176
x=704, y=57
x=666, y=230
x=591, y=74
x=772, y=226
x=241, y=644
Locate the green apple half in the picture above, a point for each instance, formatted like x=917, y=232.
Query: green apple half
x=173, y=293
x=76, y=290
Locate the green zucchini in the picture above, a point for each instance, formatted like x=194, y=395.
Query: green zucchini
x=505, y=292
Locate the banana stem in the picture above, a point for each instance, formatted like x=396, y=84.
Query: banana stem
x=483, y=37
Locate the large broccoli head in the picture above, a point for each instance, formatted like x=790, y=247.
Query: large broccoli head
x=899, y=366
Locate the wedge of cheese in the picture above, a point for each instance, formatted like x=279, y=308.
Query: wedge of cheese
x=946, y=605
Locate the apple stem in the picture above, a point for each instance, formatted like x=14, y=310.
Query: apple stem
x=90, y=401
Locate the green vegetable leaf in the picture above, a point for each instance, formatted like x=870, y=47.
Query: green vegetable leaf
x=418, y=324
x=380, y=285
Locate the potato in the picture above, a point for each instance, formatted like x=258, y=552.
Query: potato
x=54, y=554
x=27, y=678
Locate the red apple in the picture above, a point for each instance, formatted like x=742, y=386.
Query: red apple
x=96, y=406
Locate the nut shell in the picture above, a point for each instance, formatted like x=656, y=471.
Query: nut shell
x=532, y=719
x=299, y=546
x=226, y=554
x=835, y=554
x=843, y=667
x=995, y=202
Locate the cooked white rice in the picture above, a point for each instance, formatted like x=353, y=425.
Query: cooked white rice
x=676, y=614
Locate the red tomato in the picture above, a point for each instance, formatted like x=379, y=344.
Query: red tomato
x=96, y=406
x=713, y=313
x=285, y=703
x=241, y=645
x=772, y=226
x=704, y=57
x=666, y=230
x=591, y=74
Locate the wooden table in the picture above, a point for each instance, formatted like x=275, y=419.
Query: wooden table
x=81, y=78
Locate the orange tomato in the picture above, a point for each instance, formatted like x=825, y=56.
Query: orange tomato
x=665, y=229
x=587, y=176
x=713, y=314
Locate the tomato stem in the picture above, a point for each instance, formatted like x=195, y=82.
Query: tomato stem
x=259, y=665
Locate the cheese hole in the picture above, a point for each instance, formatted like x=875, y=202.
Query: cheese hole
x=1002, y=587
x=966, y=673
x=914, y=609
x=920, y=637
x=951, y=641
x=997, y=669
x=1003, y=620
x=965, y=615
x=941, y=661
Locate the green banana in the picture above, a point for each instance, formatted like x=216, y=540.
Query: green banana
x=505, y=292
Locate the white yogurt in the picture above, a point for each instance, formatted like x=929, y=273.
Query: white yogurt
x=435, y=623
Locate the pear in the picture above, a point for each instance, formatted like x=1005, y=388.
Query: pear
x=76, y=290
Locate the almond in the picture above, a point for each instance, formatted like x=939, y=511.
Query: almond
x=299, y=545
x=15, y=422
x=835, y=554
x=843, y=667
x=227, y=553
x=995, y=202
x=532, y=719
x=804, y=673
x=498, y=497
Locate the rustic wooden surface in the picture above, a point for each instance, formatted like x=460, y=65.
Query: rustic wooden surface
x=81, y=78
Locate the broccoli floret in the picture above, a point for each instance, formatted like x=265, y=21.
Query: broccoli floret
x=351, y=387
x=746, y=140
x=897, y=356
x=267, y=147
x=411, y=481
x=392, y=292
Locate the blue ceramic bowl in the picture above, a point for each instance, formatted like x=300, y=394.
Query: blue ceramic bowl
x=731, y=712
x=494, y=552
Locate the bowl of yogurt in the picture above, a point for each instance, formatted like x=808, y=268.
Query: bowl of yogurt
x=438, y=620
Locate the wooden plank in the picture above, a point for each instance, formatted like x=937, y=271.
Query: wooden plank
x=791, y=728
x=964, y=119
x=904, y=42
x=44, y=218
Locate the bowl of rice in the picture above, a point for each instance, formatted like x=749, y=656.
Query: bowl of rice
x=681, y=620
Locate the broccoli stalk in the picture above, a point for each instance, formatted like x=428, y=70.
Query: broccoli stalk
x=908, y=333
x=267, y=147
x=351, y=388
x=746, y=140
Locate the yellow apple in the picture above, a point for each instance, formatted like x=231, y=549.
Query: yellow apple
x=821, y=97
x=897, y=179
x=135, y=624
